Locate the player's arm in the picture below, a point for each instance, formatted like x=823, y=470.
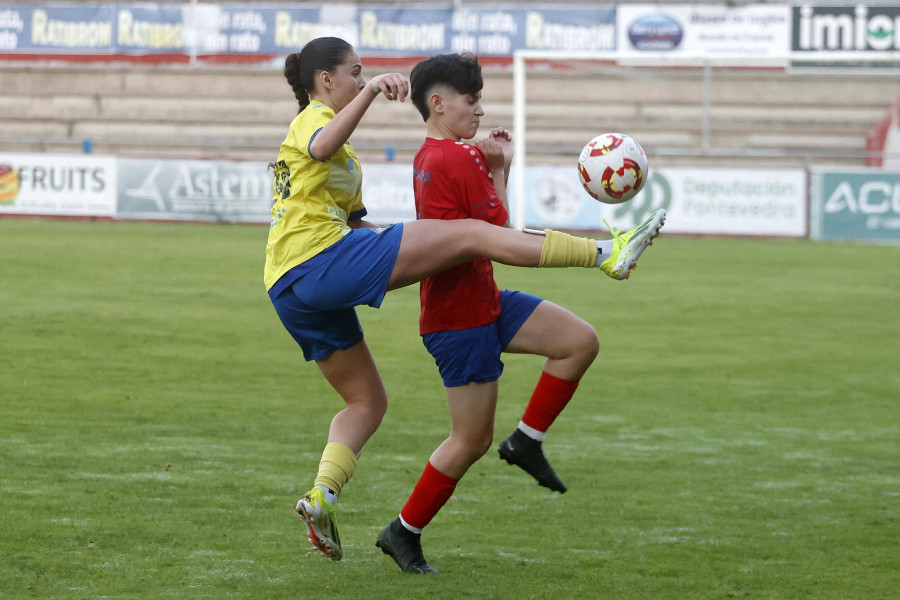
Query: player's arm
x=357, y=217
x=338, y=130
x=496, y=162
x=503, y=137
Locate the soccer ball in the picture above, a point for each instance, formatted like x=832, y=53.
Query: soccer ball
x=612, y=168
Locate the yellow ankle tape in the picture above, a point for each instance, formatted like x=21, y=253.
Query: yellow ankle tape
x=336, y=467
x=564, y=250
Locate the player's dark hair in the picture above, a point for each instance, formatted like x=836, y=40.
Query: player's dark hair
x=458, y=71
x=320, y=54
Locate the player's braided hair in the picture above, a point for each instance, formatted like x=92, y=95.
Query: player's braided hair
x=320, y=54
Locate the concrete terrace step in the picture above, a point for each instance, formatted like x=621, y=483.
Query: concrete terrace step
x=242, y=111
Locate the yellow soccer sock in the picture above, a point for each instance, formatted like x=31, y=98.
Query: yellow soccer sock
x=336, y=467
x=564, y=250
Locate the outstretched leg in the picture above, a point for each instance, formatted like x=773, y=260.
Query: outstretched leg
x=431, y=246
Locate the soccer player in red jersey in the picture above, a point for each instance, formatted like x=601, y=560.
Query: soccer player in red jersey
x=466, y=322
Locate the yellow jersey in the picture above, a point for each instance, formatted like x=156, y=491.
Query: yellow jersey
x=313, y=200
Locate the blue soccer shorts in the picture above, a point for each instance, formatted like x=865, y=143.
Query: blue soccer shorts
x=318, y=308
x=473, y=355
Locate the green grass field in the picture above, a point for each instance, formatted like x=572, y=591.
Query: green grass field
x=738, y=437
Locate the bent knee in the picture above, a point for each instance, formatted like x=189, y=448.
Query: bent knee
x=584, y=343
x=475, y=446
x=374, y=405
x=592, y=343
x=485, y=444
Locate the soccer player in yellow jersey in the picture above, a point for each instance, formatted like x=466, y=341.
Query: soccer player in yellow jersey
x=323, y=259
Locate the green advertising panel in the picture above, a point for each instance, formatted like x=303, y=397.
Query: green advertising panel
x=858, y=204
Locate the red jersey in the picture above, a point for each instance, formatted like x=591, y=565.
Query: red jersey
x=452, y=181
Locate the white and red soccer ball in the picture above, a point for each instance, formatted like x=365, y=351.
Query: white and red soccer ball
x=612, y=168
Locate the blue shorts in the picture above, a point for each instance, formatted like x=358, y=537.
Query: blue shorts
x=318, y=308
x=473, y=355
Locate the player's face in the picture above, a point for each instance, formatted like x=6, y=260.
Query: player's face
x=462, y=115
x=347, y=81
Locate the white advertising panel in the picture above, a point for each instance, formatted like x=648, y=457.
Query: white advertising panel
x=195, y=190
x=706, y=30
x=731, y=201
x=698, y=201
x=58, y=185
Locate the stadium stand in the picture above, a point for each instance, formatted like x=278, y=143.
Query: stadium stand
x=755, y=116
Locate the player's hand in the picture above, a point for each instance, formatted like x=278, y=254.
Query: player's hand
x=500, y=134
x=394, y=86
x=493, y=153
x=503, y=137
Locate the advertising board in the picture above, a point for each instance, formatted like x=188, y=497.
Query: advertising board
x=60, y=185
x=855, y=204
x=698, y=201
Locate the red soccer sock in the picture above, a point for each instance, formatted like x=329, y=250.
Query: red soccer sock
x=549, y=398
x=431, y=493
